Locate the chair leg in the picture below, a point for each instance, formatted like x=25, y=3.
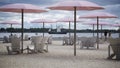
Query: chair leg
x=111, y=56
x=8, y=49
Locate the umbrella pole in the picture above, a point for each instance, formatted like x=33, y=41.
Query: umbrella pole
x=119, y=31
x=101, y=31
x=93, y=30
x=22, y=20
x=69, y=31
x=74, y=31
x=97, y=32
x=43, y=28
x=11, y=29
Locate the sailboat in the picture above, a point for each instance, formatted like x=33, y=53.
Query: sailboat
x=57, y=31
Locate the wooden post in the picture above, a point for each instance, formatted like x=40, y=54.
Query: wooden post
x=97, y=32
x=93, y=31
x=43, y=28
x=22, y=30
x=74, y=31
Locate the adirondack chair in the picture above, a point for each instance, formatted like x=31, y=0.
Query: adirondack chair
x=115, y=46
x=15, y=46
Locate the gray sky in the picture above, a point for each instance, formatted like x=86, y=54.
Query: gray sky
x=111, y=6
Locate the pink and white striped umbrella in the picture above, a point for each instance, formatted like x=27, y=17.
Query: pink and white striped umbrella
x=74, y=6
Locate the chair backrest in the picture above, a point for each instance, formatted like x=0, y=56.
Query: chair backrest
x=115, y=44
x=5, y=39
x=15, y=43
x=49, y=40
x=26, y=37
x=37, y=41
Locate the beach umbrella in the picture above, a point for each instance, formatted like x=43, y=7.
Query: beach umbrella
x=21, y=8
x=42, y=21
x=74, y=6
x=68, y=20
x=11, y=23
x=98, y=15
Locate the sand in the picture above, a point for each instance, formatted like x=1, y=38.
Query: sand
x=59, y=56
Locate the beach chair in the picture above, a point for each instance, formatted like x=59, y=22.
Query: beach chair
x=115, y=46
x=65, y=40
x=35, y=40
x=26, y=37
x=39, y=43
x=15, y=46
x=49, y=40
x=87, y=42
x=45, y=43
x=5, y=39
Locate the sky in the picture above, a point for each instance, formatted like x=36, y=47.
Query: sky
x=111, y=6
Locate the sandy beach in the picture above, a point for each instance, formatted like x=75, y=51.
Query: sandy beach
x=59, y=56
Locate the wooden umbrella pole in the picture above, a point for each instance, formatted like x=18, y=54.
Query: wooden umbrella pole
x=97, y=32
x=11, y=29
x=43, y=28
x=22, y=20
x=101, y=31
x=69, y=30
x=74, y=31
x=93, y=31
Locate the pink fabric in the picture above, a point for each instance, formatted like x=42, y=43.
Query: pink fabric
x=116, y=25
x=28, y=8
x=98, y=14
x=42, y=20
x=81, y=5
x=67, y=20
x=10, y=22
x=95, y=23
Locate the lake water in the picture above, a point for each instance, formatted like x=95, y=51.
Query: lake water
x=114, y=35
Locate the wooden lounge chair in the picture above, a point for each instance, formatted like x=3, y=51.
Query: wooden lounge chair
x=5, y=39
x=115, y=46
x=15, y=46
x=49, y=40
x=39, y=43
x=88, y=42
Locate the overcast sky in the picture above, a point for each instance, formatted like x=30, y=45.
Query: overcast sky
x=111, y=6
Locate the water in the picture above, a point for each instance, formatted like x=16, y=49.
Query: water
x=114, y=35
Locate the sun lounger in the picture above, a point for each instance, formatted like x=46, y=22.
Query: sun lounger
x=15, y=46
x=115, y=46
x=39, y=43
x=49, y=40
x=5, y=39
x=87, y=42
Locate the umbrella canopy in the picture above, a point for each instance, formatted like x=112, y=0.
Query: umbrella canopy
x=18, y=7
x=43, y=21
x=95, y=23
x=98, y=15
x=74, y=6
x=21, y=8
x=11, y=23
